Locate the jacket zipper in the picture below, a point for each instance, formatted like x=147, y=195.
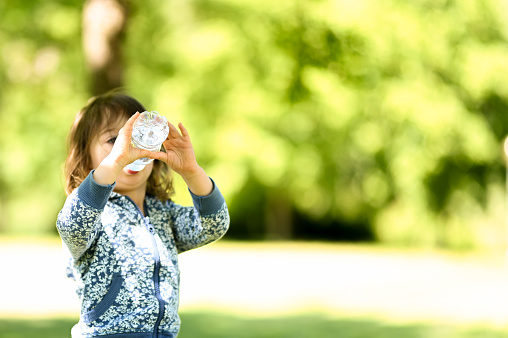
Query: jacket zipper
x=156, y=269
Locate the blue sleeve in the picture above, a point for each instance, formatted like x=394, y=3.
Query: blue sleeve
x=204, y=223
x=210, y=204
x=94, y=194
x=79, y=222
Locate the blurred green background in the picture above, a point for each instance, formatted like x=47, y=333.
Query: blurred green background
x=378, y=121
x=329, y=120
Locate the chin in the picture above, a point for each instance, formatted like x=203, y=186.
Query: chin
x=131, y=179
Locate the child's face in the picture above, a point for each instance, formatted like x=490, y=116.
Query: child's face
x=101, y=147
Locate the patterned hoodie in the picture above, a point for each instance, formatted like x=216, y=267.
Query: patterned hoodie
x=125, y=264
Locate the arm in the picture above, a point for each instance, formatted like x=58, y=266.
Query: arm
x=209, y=219
x=79, y=221
x=204, y=223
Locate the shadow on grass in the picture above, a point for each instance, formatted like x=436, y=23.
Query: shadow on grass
x=215, y=325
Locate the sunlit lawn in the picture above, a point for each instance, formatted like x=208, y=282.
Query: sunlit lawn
x=258, y=290
x=215, y=325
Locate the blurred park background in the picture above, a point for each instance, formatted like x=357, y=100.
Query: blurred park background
x=379, y=123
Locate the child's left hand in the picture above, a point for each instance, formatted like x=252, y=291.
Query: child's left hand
x=179, y=153
x=180, y=157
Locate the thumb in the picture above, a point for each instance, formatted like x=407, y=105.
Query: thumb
x=157, y=155
x=143, y=153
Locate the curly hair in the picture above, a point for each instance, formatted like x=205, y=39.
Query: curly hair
x=96, y=114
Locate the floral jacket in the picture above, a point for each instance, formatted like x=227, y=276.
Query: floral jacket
x=125, y=264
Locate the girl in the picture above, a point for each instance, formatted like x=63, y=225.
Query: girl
x=122, y=230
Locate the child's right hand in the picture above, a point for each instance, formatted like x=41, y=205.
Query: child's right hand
x=121, y=154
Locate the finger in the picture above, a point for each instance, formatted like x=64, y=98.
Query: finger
x=184, y=131
x=168, y=145
x=140, y=153
x=173, y=131
x=157, y=155
x=130, y=122
x=144, y=153
x=165, y=146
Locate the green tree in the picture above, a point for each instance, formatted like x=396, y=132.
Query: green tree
x=359, y=120
x=339, y=119
x=41, y=81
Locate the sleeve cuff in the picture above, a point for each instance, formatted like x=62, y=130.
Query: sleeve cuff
x=94, y=194
x=210, y=204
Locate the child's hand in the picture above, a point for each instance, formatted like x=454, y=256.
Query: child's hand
x=179, y=153
x=180, y=157
x=123, y=152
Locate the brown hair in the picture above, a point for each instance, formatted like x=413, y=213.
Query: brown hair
x=98, y=111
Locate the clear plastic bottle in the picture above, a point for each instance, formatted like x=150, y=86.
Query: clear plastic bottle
x=149, y=131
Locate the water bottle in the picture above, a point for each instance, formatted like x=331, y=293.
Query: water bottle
x=149, y=131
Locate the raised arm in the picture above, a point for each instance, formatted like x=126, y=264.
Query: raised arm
x=204, y=223
x=209, y=219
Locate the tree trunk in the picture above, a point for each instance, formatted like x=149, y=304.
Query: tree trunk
x=278, y=216
x=104, y=24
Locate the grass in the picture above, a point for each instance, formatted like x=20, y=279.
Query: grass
x=36, y=328
x=213, y=325
x=472, y=283
x=210, y=324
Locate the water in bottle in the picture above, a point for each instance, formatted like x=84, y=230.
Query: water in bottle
x=149, y=131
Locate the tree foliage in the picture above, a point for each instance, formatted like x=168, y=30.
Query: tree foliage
x=352, y=120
